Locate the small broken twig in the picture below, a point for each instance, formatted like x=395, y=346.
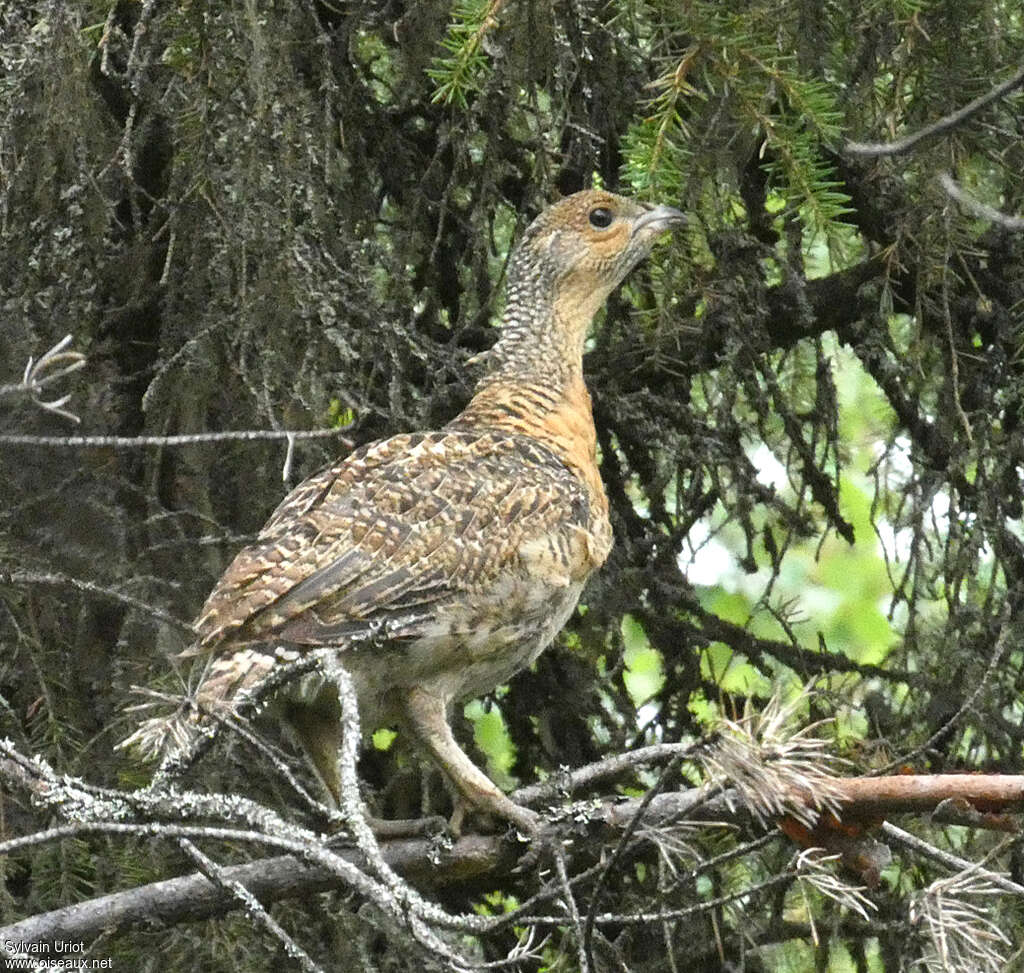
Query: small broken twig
x=53, y=365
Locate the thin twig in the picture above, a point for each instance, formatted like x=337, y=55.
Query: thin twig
x=59, y=580
x=939, y=127
x=954, y=361
x=572, y=781
x=53, y=365
x=650, y=918
x=614, y=858
x=276, y=760
x=253, y=907
x=187, y=439
x=998, y=651
x=569, y=899
x=179, y=760
x=952, y=862
x=977, y=207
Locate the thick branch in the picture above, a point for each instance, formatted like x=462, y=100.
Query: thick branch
x=831, y=301
x=824, y=304
x=880, y=796
x=194, y=897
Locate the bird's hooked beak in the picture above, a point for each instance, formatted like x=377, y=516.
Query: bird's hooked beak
x=659, y=218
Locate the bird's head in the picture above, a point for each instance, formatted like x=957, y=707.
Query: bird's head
x=581, y=248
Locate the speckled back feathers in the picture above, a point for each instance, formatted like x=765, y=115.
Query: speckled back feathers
x=396, y=530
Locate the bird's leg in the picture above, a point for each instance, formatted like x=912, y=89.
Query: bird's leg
x=317, y=728
x=425, y=716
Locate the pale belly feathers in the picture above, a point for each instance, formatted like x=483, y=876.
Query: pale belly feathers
x=459, y=655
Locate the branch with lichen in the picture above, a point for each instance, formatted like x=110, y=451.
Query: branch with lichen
x=766, y=772
x=761, y=770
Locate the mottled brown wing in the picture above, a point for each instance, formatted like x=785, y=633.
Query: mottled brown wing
x=378, y=541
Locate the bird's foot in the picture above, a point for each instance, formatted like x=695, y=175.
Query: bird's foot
x=390, y=829
x=428, y=827
x=495, y=805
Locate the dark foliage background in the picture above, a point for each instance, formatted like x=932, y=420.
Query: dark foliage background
x=290, y=215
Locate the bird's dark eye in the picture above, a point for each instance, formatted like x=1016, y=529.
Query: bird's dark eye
x=601, y=217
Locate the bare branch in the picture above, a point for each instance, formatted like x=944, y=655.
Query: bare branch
x=253, y=907
x=419, y=912
x=650, y=918
x=1007, y=625
x=571, y=781
x=582, y=945
x=186, y=439
x=421, y=860
x=952, y=862
x=272, y=754
x=28, y=578
x=939, y=127
x=909, y=793
x=632, y=824
x=977, y=207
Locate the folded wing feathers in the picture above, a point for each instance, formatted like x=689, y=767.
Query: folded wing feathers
x=396, y=527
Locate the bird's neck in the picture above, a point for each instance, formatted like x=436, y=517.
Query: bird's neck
x=543, y=330
x=534, y=385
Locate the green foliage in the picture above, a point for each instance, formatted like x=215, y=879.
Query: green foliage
x=461, y=72
x=643, y=674
x=826, y=593
x=736, y=66
x=490, y=733
x=340, y=416
x=657, y=147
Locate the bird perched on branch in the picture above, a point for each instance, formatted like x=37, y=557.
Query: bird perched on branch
x=439, y=564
